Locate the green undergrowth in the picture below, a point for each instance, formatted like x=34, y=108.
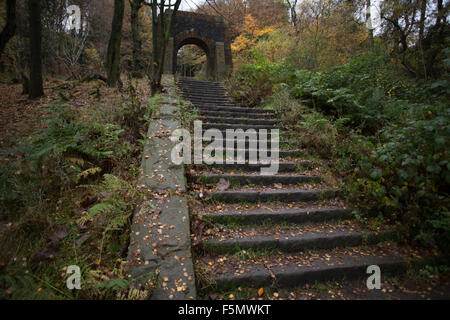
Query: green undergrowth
x=67, y=195
x=383, y=133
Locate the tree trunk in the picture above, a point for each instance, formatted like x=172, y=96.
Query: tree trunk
x=137, y=43
x=369, y=21
x=10, y=29
x=113, y=55
x=35, y=85
x=423, y=9
x=162, y=28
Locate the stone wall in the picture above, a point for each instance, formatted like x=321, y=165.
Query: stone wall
x=160, y=244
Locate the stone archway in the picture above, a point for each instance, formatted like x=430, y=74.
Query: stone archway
x=210, y=33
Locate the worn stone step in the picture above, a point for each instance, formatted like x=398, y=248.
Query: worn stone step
x=224, y=137
x=236, y=109
x=212, y=106
x=247, y=167
x=248, y=121
x=199, y=82
x=186, y=87
x=298, y=216
x=213, y=92
x=205, y=94
x=216, y=93
x=292, y=195
x=210, y=85
x=296, y=243
x=337, y=267
x=245, y=142
x=237, y=115
x=255, y=179
x=208, y=100
x=246, y=153
x=245, y=127
x=211, y=102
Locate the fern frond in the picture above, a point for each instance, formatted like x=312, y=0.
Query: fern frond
x=89, y=172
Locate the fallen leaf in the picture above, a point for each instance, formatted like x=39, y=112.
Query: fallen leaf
x=260, y=292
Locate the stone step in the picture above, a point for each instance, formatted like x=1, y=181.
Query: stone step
x=247, y=167
x=210, y=102
x=247, y=152
x=246, y=142
x=201, y=95
x=206, y=100
x=211, y=106
x=224, y=137
x=199, y=82
x=292, y=195
x=336, y=267
x=187, y=87
x=297, y=216
x=236, y=109
x=249, y=121
x=245, y=127
x=255, y=179
x=213, y=92
x=296, y=243
x=237, y=115
x=204, y=92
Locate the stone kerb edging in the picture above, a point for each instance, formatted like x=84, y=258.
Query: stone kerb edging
x=160, y=244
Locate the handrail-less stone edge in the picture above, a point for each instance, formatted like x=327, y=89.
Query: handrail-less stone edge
x=160, y=243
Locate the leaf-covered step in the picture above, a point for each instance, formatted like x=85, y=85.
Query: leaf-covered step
x=297, y=216
x=199, y=94
x=254, y=179
x=247, y=167
x=245, y=127
x=289, y=275
x=247, y=152
x=249, y=121
x=236, y=109
x=196, y=82
x=251, y=196
x=225, y=114
x=200, y=85
x=207, y=100
x=292, y=242
x=247, y=142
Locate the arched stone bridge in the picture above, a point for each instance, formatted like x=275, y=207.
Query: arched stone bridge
x=210, y=33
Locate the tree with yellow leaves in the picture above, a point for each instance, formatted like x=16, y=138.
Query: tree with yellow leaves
x=249, y=36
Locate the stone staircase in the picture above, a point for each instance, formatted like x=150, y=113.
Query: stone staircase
x=280, y=231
